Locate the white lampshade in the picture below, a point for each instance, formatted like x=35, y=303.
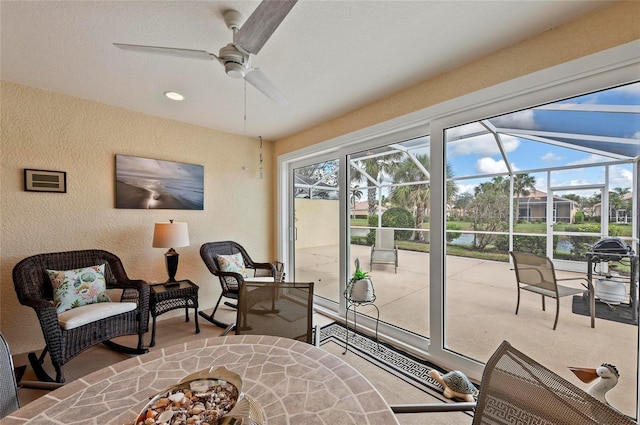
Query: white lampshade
x=170, y=235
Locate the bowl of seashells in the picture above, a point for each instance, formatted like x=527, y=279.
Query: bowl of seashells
x=205, y=397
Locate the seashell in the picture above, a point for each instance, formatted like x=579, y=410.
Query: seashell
x=199, y=399
x=163, y=402
x=177, y=396
x=165, y=416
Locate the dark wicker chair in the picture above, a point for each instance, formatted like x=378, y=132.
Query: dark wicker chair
x=230, y=282
x=34, y=289
x=9, y=397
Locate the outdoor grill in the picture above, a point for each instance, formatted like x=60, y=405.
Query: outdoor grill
x=610, y=249
x=610, y=287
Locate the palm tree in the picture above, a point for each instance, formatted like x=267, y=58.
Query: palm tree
x=521, y=185
x=616, y=202
x=417, y=196
x=356, y=194
x=590, y=203
x=376, y=167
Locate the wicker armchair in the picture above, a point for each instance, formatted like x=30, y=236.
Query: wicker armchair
x=229, y=281
x=9, y=397
x=34, y=289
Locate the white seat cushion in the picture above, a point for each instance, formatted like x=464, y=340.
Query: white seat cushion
x=259, y=279
x=79, y=316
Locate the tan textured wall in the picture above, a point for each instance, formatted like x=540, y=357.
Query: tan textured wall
x=610, y=27
x=310, y=212
x=44, y=130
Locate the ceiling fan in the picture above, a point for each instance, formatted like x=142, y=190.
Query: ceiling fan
x=248, y=39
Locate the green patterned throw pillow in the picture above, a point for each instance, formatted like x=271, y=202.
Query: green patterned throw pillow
x=231, y=263
x=75, y=288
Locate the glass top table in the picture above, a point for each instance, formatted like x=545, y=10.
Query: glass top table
x=291, y=381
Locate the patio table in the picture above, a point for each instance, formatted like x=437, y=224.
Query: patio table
x=292, y=382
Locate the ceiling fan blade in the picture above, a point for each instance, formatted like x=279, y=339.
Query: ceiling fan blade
x=261, y=24
x=170, y=51
x=259, y=80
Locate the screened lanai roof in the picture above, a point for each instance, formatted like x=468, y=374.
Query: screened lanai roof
x=597, y=128
x=592, y=129
x=320, y=181
x=573, y=134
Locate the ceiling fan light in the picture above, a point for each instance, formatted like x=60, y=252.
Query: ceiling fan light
x=174, y=95
x=234, y=70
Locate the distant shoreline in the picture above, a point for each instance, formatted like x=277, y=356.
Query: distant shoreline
x=134, y=197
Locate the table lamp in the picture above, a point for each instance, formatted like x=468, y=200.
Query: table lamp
x=170, y=235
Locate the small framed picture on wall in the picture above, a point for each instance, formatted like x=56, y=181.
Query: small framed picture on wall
x=45, y=181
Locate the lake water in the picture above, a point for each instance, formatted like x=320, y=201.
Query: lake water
x=467, y=239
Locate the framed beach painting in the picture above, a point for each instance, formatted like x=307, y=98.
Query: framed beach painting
x=145, y=183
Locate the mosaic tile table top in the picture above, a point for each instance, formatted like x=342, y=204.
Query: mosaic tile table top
x=292, y=382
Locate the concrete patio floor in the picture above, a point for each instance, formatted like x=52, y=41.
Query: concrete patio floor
x=480, y=304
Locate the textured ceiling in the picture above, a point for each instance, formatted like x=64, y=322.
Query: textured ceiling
x=327, y=57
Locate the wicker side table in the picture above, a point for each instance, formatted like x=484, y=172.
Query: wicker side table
x=166, y=298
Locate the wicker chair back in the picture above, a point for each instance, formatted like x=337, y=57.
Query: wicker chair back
x=33, y=289
x=230, y=282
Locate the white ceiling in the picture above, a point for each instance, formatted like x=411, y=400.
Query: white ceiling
x=327, y=57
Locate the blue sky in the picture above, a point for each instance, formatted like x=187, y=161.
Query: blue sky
x=480, y=155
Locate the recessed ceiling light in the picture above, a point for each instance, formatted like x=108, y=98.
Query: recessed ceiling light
x=173, y=95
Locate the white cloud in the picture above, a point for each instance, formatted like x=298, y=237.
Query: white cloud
x=466, y=188
x=629, y=89
x=480, y=145
x=621, y=177
x=484, y=145
x=578, y=182
x=591, y=159
x=455, y=133
x=541, y=184
x=488, y=165
x=576, y=177
x=510, y=143
x=551, y=157
x=521, y=119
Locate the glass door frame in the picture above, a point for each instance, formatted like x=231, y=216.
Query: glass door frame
x=286, y=223
x=542, y=87
x=340, y=148
x=290, y=267
x=612, y=67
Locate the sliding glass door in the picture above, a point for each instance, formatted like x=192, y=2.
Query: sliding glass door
x=458, y=189
x=389, y=202
x=316, y=226
x=541, y=181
